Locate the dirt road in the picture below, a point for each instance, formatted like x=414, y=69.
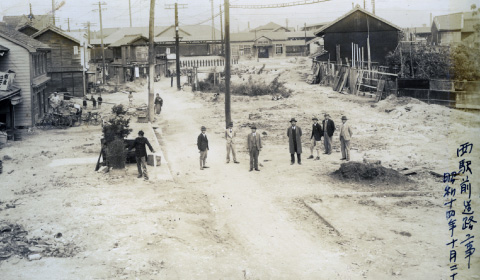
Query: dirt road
x=224, y=222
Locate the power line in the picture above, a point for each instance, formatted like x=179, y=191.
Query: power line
x=281, y=5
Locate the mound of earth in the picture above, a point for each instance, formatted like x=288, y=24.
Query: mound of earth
x=359, y=171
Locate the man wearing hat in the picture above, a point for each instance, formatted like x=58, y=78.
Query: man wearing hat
x=230, y=136
x=202, y=144
x=254, y=146
x=315, y=138
x=294, y=134
x=141, y=154
x=345, y=136
x=328, y=130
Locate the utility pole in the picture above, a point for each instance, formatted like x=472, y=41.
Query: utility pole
x=221, y=31
x=213, y=22
x=101, y=41
x=151, y=59
x=130, y=11
x=228, y=116
x=305, y=30
x=53, y=12
x=286, y=24
x=177, y=41
x=373, y=6
x=68, y=22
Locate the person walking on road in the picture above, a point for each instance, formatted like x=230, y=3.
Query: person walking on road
x=130, y=99
x=100, y=100
x=141, y=154
x=294, y=134
x=254, y=146
x=202, y=144
x=345, y=136
x=84, y=102
x=230, y=135
x=94, y=101
x=315, y=138
x=328, y=130
x=158, y=104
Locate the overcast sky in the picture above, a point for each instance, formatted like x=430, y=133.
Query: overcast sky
x=406, y=13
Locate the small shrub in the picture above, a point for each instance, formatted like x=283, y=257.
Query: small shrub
x=119, y=110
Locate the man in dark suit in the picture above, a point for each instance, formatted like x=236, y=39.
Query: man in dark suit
x=254, y=146
x=328, y=130
x=141, y=154
x=294, y=134
x=315, y=138
x=202, y=144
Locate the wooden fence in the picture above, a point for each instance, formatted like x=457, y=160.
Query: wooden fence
x=206, y=62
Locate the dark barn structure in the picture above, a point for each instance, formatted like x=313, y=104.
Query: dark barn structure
x=357, y=26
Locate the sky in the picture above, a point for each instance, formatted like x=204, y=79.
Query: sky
x=406, y=13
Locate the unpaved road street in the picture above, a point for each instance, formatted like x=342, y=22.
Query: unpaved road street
x=224, y=222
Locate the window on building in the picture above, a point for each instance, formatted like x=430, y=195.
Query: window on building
x=75, y=50
x=278, y=48
x=247, y=49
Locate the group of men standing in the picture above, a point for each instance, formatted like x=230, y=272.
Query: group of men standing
x=294, y=133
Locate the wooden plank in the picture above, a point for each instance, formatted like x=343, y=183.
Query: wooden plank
x=381, y=85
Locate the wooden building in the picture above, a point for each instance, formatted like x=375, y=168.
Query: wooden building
x=27, y=100
x=130, y=58
x=359, y=26
x=65, y=63
x=455, y=29
x=268, y=44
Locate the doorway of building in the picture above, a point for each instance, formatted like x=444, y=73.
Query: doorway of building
x=263, y=52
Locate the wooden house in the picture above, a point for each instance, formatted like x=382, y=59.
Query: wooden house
x=359, y=26
x=23, y=104
x=66, y=62
x=130, y=57
x=455, y=29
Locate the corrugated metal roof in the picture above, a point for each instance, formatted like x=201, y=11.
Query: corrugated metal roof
x=23, y=40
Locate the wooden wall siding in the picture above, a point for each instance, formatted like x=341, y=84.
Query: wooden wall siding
x=71, y=81
x=18, y=59
x=62, y=54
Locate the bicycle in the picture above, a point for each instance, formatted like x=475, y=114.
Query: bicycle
x=91, y=118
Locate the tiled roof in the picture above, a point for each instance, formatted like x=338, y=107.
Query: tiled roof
x=58, y=31
x=19, y=38
x=322, y=30
x=275, y=36
x=127, y=40
x=458, y=21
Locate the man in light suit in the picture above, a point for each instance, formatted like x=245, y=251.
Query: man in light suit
x=202, y=144
x=294, y=134
x=230, y=135
x=345, y=136
x=254, y=145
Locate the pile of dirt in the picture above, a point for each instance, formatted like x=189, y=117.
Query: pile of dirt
x=359, y=171
x=14, y=241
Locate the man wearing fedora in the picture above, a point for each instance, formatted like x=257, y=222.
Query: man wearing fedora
x=328, y=130
x=345, y=136
x=294, y=134
x=315, y=138
x=202, y=144
x=230, y=135
x=254, y=146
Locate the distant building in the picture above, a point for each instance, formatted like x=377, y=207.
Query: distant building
x=357, y=26
x=313, y=27
x=421, y=34
x=272, y=27
x=270, y=40
x=456, y=28
x=35, y=21
x=67, y=59
x=27, y=100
